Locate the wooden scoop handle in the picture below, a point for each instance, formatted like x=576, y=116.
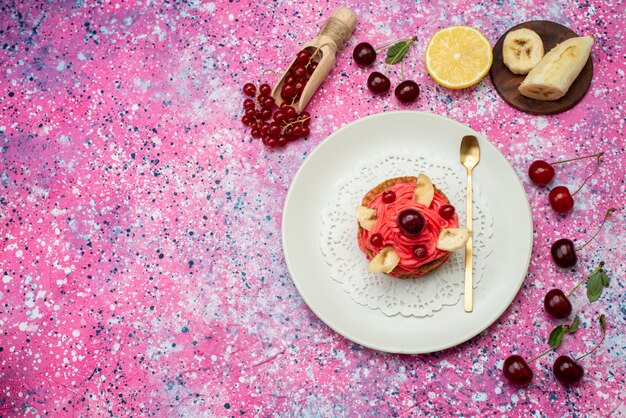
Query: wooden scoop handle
x=339, y=26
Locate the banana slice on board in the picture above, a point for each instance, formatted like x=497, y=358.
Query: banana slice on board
x=554, y=75
x=385, y=261
x=522, y=50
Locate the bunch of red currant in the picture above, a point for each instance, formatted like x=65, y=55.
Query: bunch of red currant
x=364, y=55
x=299, y=73
x=287, y=124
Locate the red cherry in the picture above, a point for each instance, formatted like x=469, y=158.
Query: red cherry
x=567, y=371
x=447, y=211
x=420, y=251
x=560, y=199
x=564, y=253
x=376, y=240
x=557, y=304
x=541, y=172
x=389, y=196
x=249, y=89
x=517, y=371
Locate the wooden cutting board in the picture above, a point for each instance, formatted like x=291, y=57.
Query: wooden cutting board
x=506, y=83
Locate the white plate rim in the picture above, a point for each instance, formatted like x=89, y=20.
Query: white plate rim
x=377, y=346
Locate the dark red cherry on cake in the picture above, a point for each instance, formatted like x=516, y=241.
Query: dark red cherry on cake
x=557, y=304
x=567, y=371
x=517, y=371
x=411, y=222
x=389, y=196
x=376, y=240
x=561, y=199
x=447, y=211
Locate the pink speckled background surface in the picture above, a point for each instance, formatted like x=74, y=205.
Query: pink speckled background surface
x=141, y=261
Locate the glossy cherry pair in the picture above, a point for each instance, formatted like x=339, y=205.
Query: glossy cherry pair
x=566, y=370
x=560, y=198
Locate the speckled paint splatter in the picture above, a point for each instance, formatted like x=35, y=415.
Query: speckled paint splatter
x=141, y=262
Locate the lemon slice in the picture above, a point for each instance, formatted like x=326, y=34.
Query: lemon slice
x=458, y=57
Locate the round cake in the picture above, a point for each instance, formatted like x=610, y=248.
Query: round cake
x=407, y=227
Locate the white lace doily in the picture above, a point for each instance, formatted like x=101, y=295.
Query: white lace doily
x=409, y=297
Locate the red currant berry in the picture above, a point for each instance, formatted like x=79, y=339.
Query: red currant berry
x=246, y=120
x=447, y=211
x=290, y=112
x=420, y=251
x=311, y=67
x=265, y=89
x=376, y=240
x=299, y=72
x=305, y=131
x=297, y=131
x=248, y=104
x=541, y=172
x=279, y=116
x=389, y=196
x=560, y=199
x=251, y=113
x=255, y=133
x=288, y=91
x=303, y=57
x=299, y=86
x=249, y=89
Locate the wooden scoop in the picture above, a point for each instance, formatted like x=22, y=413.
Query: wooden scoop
x=333, y=34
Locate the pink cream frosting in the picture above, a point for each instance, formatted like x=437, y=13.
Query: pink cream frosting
x=387, y=226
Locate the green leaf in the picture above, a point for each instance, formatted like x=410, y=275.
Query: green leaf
x=605, y=278
x=575, y=324
x=397, y=51
x=556, y=336
x=594, y=286
x=602, y=322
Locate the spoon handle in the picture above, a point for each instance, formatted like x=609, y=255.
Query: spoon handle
x=468, y=248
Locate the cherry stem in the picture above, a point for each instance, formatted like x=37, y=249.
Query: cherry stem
x=540, y=355
x=599, y=342
x=390, y=43
x=585, y=279
x=402, y=70
x=590, y=175
x=607, y=215
x=598, y=155
x=402, y=50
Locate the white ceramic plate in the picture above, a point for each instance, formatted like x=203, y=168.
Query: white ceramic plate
x=338, y=156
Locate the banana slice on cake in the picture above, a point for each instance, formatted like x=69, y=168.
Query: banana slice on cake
x=385, y=261
x=424, y=190
x=522, y=50
x=554, y=75
x=451, y=239
x=366, y=217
